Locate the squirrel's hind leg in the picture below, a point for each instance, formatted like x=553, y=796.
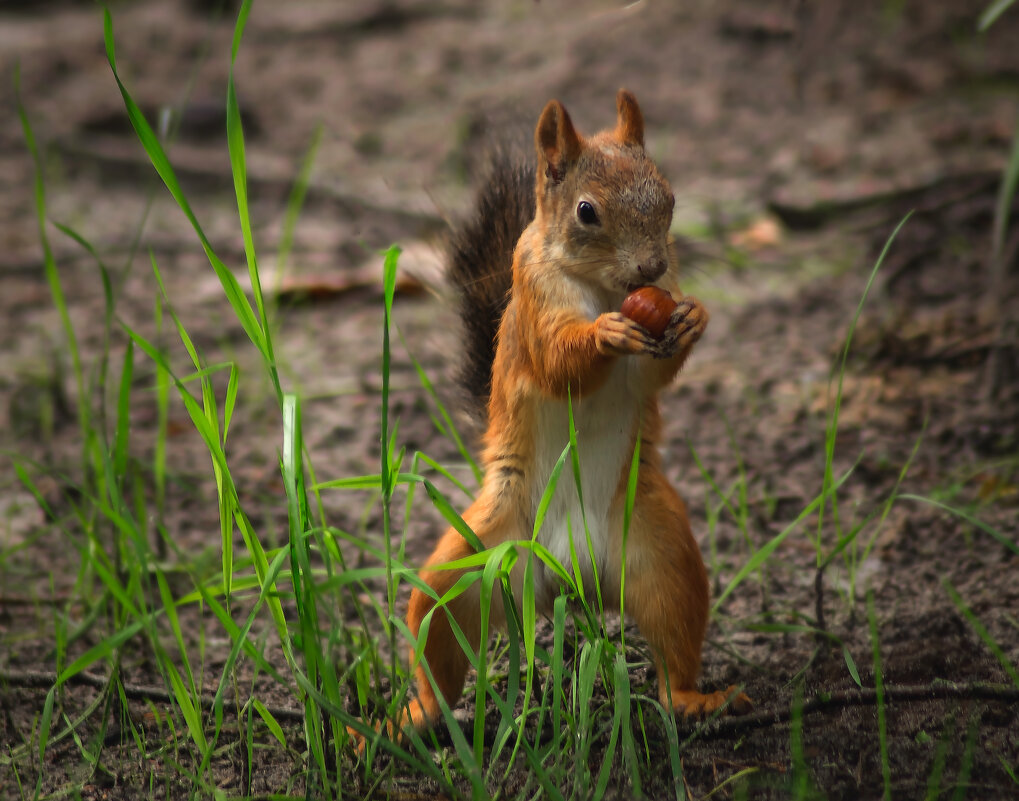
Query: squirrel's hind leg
x=446, y=660
x=442, y=651
x=667, y=596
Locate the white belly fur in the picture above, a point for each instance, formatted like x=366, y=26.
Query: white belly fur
x=605, y=423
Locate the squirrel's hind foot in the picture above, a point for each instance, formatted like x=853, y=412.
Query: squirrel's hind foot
x=692, y=704
x=412, y=717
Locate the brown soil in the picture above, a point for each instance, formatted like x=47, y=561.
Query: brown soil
x=796, y=137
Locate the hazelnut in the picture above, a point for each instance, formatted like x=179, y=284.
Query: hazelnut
x=650, y=307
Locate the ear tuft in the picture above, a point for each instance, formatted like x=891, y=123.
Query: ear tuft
x=557, y=141
x=630, y=121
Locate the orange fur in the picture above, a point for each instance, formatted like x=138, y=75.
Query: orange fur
x=562, y=334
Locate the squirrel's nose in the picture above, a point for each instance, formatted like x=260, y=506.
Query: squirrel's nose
x=652, y=270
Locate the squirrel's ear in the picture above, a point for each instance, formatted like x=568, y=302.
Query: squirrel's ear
x=629, y=122
x=557, y=141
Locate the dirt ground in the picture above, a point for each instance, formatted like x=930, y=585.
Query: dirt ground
x=796, y=136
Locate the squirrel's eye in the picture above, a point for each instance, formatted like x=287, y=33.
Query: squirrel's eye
x=586, y=213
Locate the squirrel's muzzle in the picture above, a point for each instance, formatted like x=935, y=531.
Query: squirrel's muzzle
x=652, y=269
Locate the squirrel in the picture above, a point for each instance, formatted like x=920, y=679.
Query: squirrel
x=543, y=268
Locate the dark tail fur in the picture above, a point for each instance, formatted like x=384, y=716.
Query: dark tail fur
x=481, y=260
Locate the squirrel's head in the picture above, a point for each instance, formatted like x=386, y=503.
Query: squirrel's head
x=602, y=199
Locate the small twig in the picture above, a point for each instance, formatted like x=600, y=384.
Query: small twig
x=43, y=680
x=906, y=693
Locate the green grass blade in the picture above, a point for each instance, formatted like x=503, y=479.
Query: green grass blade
x=973, y=521
x=49, y=262
x=981, y=630
x=188, y=709
x=386, y=472
x=879, y=691
x=104, y=273
x=372, y=481
x=851, y=665
x=549, y=492
x=464, y=752
x=392, y=257
x=1003, y=205
x=239, y=634
x=962, y=781
x=722, y=496
x=529, y=615
x=494, y=565
x=628, y=502
x=558, y=673
x=620, y=720
x=182, y=332
x=442, y=471
x=296, y=201
x=210, y=437
x=238, y=167
x=162, y=426
x=504, y=732
x=948, y=735
x=991, y=14
x=764, y=552
x=424, y=767
x=161, y=163
x=1012, y=774
x=173, y=619
x=590, y=661
x=120, y=441
x=575, y=459
x=452, y=516
x=448, y=428
x=850, y=538
x=800, y=778
x=668, y=716
x=270, y=722
x=45, y=721
x=831, y=431
x=101, y=650
x=231, y=398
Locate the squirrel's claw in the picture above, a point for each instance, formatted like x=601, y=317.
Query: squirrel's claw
x=686, y=324
x=618, y=336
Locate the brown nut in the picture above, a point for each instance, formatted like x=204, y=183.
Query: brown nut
x=650, y=307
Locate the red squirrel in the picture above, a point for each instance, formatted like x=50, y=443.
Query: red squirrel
x=544, y=330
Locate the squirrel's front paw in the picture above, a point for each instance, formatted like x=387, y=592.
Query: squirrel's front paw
x=686, y=324
x=617, y=335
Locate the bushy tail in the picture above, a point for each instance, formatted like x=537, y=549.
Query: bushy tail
x=480, y=262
